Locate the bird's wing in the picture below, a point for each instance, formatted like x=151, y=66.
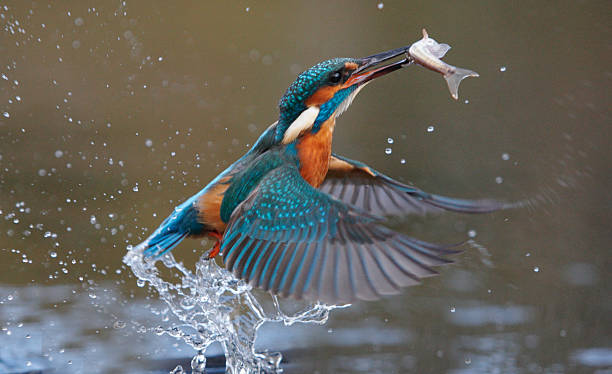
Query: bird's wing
x=293, y=240
x=357, y=184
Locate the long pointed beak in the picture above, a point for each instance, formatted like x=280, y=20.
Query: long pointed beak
x=368, y=71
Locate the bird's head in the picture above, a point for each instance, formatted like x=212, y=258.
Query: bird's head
x=326, y=90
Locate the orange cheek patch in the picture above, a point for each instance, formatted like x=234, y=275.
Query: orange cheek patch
x=322, y=95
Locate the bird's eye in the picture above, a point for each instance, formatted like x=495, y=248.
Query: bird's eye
x=335, y=77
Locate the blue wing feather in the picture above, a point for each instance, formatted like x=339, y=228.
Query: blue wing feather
x=294, y=240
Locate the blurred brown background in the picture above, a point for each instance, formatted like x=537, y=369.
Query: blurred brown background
x=112, y=113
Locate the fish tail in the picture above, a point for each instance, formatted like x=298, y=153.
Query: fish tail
x=455, y=78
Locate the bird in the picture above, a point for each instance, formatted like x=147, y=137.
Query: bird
x=297, y=220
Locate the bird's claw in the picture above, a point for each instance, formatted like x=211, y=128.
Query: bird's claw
x=214, y=252
x=217, y=248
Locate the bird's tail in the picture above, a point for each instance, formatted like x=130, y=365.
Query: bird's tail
x=160, y=243
x=182, y=222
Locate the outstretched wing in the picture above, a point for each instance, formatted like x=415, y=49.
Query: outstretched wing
x=357, y=184
x=293, y=240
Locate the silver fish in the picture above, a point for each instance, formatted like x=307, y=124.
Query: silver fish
x=427, y=52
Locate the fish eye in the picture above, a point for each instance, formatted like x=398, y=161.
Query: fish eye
x=335, y=77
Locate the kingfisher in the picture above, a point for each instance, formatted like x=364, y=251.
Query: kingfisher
x=295, y=219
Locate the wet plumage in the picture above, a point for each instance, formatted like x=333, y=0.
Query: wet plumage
x=294, y=219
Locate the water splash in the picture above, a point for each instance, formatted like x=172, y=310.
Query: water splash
x=211, y=305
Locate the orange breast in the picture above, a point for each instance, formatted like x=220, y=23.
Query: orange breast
x=314, y=151
x=209, y=206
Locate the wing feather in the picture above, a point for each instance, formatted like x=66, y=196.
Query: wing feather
x=294, y=240
x=357, y=184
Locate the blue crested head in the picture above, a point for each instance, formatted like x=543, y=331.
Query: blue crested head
x=326, y=73
x=326, y=90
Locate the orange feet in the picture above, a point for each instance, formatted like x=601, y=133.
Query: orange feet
x=215, y=251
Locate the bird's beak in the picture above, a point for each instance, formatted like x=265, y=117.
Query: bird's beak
x=367, y=69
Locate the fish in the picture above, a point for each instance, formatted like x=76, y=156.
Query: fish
x=427, y=52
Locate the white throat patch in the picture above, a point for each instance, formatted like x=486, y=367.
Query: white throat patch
x=348, y=101
x=304, y=122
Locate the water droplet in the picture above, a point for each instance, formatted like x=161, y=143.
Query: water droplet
x=390, y=140
x=468, y=360
x=28, y=363
x=59, y=153
x=388, y=151
x=499, y=180
x=505, y=156
x=53, y=254
x=452, y=309
x=92, y=295
x=118, y=324
x=42, y=172
x=472, y=233
x=140, y=283
x=198, y=363
x=502, y=69
x=403, y=161
x=6, y=114
x=536, y=269
x=135, y=188
x=430, y=129
x=466, y=101
x=380, y=5
x=149, y=143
